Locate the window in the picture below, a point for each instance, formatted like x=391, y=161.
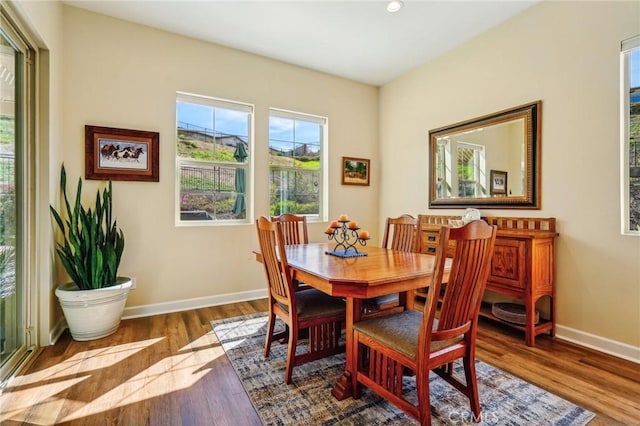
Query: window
x=630, y=132
x=460, y=165
x=296, y=164
x=213, y=148
x=471, y=170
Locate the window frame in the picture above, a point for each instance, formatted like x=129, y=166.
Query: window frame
x=626, y=47
x=248, y=166
x=323, y=190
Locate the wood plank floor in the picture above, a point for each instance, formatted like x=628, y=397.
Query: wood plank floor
x=169, y=370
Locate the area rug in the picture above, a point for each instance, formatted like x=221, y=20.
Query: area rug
x=505, y=399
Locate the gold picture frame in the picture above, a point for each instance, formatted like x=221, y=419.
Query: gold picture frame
x=355, y=171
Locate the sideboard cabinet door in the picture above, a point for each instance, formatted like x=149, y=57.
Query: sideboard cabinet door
x=508, y=264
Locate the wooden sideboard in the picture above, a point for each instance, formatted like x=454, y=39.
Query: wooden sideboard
x=523, y=265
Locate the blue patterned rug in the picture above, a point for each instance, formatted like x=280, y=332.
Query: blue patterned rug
x=505, y=399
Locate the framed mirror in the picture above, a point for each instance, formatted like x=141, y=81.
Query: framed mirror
x=488, y=162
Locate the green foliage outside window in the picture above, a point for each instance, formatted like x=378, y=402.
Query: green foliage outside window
x=7, y=217
x=7, y=130
x=219, y=207
x=199, y=147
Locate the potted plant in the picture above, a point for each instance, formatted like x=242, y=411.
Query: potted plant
x=90, y=252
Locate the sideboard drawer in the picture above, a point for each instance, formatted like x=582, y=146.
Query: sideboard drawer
x=430, y=241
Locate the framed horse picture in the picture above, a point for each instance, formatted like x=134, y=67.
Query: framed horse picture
x=121, y=154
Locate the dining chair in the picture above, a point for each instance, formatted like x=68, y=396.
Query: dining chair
x=399, y=234
x=294, y=228
x=294, y=231
x=416, y=342
x=313, y=312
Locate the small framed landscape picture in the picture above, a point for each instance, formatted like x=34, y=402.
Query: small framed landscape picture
x=498, y=182
x=355, y=171
x=121, y=154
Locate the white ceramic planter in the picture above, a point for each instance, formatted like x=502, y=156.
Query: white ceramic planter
x=92, y=314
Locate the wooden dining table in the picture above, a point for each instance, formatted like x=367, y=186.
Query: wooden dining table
x=380, y=272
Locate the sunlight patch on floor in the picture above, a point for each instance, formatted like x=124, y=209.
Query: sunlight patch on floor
x=98, y=358
x=171, y=374
x=33, y=397
x=19, y=405
x=205, y=341
x=235, y=333
x=52, y=395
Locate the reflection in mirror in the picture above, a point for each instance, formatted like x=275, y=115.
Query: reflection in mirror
x=491, y=161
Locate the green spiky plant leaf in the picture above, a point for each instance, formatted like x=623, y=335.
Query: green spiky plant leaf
x=92, y=246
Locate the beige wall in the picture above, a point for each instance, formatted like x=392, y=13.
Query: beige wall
x=119, y=74
x=567, y=55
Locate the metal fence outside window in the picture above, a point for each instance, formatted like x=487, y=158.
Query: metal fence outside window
x=216, y=179
x=7, y=169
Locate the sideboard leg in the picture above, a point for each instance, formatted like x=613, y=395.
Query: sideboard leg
x=530, y=314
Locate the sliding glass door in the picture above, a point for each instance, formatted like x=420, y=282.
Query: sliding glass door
x=14, y=102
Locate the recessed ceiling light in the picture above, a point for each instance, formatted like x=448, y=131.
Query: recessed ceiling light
x=394, y=5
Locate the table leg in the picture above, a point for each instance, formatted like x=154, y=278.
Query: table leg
x=343, y=388
x=408, y=299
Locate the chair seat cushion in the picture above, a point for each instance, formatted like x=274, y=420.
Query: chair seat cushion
x=312, y=303
x=400, y=332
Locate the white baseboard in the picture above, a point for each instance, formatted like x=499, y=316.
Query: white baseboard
x=602, y=344
x=57, y=331
x=186, y=304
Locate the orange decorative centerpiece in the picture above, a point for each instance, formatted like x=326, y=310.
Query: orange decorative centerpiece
x=345, y=233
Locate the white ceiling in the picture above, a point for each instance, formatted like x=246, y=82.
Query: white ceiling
x=358, y=40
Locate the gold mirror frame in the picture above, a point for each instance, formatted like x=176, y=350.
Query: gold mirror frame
x=530, y=197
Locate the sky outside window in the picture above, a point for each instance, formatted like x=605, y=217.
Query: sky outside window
x=226, y=121
x=235, y=123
